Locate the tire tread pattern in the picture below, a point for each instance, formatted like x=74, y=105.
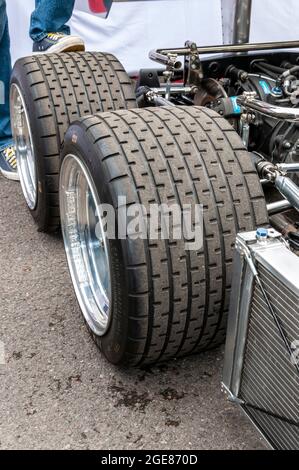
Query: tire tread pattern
x=63, y=88
x=179, y=299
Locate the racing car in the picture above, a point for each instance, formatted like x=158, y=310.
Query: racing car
x=214, y=128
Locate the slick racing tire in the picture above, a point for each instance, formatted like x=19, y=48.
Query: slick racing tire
x=148, y=300
x=48, y=93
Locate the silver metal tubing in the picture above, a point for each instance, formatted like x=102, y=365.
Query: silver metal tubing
x=288, y=189
x=226, y=48
x=288, y=167
x=153, y=98
x=279, y=206
x=266, y=109
x=173, y=90
x=165, y=59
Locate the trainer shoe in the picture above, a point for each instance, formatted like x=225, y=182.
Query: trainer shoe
x=59, y=42
x=8, y=163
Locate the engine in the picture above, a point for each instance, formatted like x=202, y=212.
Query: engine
x=277, y=140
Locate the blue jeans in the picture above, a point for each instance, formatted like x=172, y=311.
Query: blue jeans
x=49, y=16
x=5, y=71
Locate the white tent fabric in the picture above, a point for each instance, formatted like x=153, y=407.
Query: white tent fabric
x=133, y=28
x=274, y=20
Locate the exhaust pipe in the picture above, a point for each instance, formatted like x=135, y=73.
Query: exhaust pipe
x=288, y=189
x=269, y=110
x=277, y=207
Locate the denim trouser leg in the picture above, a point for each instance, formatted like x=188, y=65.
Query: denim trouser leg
x=50, y=16
x=5, y=72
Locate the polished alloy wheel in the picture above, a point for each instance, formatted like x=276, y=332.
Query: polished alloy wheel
x=86, y=244
x=24, y=147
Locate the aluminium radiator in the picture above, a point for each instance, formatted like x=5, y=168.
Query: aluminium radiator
x=260, y=373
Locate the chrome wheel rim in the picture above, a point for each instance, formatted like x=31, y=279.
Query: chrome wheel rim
x=22, y=135
x=85, y=243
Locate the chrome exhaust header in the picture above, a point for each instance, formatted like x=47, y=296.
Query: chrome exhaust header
x=250, y=103
x=287, y=188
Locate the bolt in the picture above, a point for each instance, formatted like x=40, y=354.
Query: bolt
x=287, y=145
x=243, y=76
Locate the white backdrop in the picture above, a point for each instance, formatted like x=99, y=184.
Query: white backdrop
x=132, y=29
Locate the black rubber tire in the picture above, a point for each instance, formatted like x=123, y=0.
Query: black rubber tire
x=169, y=302
x=57, y=90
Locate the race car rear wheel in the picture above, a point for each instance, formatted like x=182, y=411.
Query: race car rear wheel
x=164, y=298
x=49, y=92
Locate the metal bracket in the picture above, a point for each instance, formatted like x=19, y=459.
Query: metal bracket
x=247, y=117
x=230, y=396
x=193, y=73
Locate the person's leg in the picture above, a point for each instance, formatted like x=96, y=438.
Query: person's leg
x=48, y=28
x=50, y=16
x=8, y=161
x=5, y=72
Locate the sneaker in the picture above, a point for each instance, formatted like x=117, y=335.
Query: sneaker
x=8, y=163
x=59, y=42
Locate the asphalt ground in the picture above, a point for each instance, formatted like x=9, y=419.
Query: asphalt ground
x=58, y=392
